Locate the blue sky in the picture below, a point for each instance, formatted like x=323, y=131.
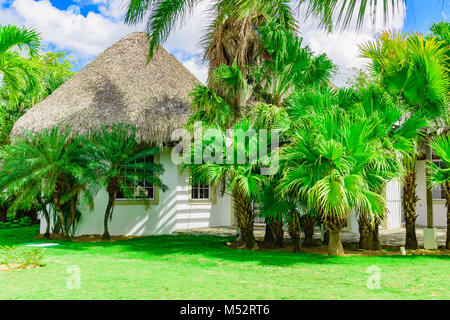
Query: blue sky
x=84, y=28
x=421, y=14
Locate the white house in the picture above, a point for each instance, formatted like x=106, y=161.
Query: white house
x=121, y=86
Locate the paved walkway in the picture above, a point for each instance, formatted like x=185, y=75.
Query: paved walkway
x=395, y=238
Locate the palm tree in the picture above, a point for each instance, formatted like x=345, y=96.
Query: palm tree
x=241, y=179
x=50, y=164
x=334, y=163
x=441, y=31
x=120, y=164
x=397, y=137
x=18, y=73
x=231, y=35
x=289, y=66
x=440, y=175
x=413, y=70
x=277, y=207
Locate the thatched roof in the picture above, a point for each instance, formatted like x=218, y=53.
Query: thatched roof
x=119, y=86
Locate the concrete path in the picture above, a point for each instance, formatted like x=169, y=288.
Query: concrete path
x=395, y=238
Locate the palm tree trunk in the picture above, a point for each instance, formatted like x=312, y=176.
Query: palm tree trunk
x=409, y=201
x=112, y=190
x=309, y=223
x=363, y=231
x=447, y=203
x=3, y=213
x=326, y=237
x=335, y=247
x=294, y=230
x=106, y=235
x=73, y=211
x=273, y=236
x=245, y=218
x=278, y=232
x=61, y=219
x=376, y=244
x=269, y=235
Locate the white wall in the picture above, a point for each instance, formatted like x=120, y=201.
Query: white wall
x=393, y=205
x=439, y=208
x=136, y=219
x=200, y=215
x=173, y=212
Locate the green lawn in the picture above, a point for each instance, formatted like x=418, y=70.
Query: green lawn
x=201, y=267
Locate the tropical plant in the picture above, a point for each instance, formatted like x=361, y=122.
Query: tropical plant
x=232, y=35
x=413, y=70
x=441, y=31
x=397, y=137
x=120, y=164
x=50, y=164
x=53, y=70
x=289, y=66
x=278, y=208
x=230, y=162
x=336, y=161
x=18, y=73
x=440, y=175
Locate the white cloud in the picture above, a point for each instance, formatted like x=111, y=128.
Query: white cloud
x=342, y=46
x=112, y=8
x=86, y=37
x=187, y=37
x=67, y=30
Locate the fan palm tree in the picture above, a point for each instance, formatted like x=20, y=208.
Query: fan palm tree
x=440, y=175
x=49, y=164
x=335, y=162
x=413, y=70
x=240, y=98
x=120, y=164
x=289, y=66
x=18, y=73
x=232, y=169
x=397, y=137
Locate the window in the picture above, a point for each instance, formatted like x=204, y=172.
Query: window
x=200, y=192
x=143, y=190
x=439, y=192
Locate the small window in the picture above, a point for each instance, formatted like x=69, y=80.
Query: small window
x=144, y=190
x=439, y=192
x=200, y=192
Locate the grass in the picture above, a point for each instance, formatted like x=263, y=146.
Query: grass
x=20, y=257
x=201, y=267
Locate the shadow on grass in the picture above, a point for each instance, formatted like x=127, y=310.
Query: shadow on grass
x=204, y=246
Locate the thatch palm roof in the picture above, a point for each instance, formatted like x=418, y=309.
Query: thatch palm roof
x=119, y=86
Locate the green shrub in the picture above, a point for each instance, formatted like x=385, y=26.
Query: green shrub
x=16, y=223
x=21, y=256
